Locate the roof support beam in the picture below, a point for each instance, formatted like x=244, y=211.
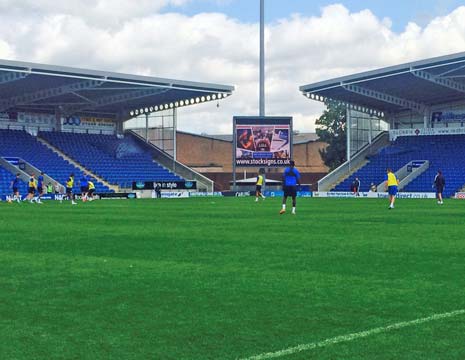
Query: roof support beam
x=445, y=82
x=132, y=95
x=451, y=71
x=29, y=98
x=391, y=99
x=352, y=106
x=115, y=99
x=12, y=76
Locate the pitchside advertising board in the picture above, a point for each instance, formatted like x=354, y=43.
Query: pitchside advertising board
x=262, y=141
x=62, y=197
x=164, y=185
x=373, y=195
x=278, y=193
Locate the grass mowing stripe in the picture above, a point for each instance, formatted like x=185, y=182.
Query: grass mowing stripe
x=354, y=336
x=229, y=278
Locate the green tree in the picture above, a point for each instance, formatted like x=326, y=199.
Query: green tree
x=331, y=128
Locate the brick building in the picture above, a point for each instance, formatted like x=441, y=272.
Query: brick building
x=211, y=155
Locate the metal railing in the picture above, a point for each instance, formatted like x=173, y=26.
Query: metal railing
x=25, y=170
x=407, y=173
x=337, y=175
x=203, y=183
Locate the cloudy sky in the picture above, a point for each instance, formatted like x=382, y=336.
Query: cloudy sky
x=217, y=41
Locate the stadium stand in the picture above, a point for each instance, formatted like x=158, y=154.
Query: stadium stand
x=416, y=101
x=18, y=143
x=443, y=152
x=117, y=160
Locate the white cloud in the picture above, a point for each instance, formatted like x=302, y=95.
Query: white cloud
x=97, y=13
x=6, y=50
x=117, y=35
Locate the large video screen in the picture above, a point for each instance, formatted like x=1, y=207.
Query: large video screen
x=262, y=141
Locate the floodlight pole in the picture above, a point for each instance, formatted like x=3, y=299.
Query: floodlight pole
x=146, y=128
x=348, y=134
x=175, y=133
x=262, y=58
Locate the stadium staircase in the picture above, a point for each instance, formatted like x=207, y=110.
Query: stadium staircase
x=442, y=152
x=114, y=188
x=120, y=161
x=344, y=173
x=20, y=166
x=20, y=144
x=203, y=182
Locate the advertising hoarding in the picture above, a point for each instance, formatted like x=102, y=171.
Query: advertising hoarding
x=88, y=123
x=262, y=141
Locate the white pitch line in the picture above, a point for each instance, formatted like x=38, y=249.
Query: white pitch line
x=354, y=336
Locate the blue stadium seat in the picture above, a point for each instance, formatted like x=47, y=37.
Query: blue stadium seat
x=443, y=152
x=18, y=143
x=118, y=161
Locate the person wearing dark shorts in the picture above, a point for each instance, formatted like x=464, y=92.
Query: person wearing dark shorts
x=391, y=183
x=356, y=187
x=291, y=178
x=439, y=184
x=40, y=187
x=258, y=185
x=69, y=188
x=84, y=187
x=31, y=188
x=15, y=186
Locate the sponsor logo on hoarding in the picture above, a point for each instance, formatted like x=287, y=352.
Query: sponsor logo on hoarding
x=165, y=185
x=394, y=134
x=205, y=194
x=175, y=194
x=374, y=195
x=242, y=193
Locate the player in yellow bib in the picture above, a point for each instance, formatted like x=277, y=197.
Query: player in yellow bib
x=31, y=188
x=69, y=188
x=391, y=183
x=259, y=184
x=90, y=193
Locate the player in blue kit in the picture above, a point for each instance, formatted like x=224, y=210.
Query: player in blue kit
x=84, y=187
x=40, y=187
x=291, y=178
x=15, y=186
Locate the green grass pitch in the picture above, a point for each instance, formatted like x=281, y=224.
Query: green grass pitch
x=228, y=278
